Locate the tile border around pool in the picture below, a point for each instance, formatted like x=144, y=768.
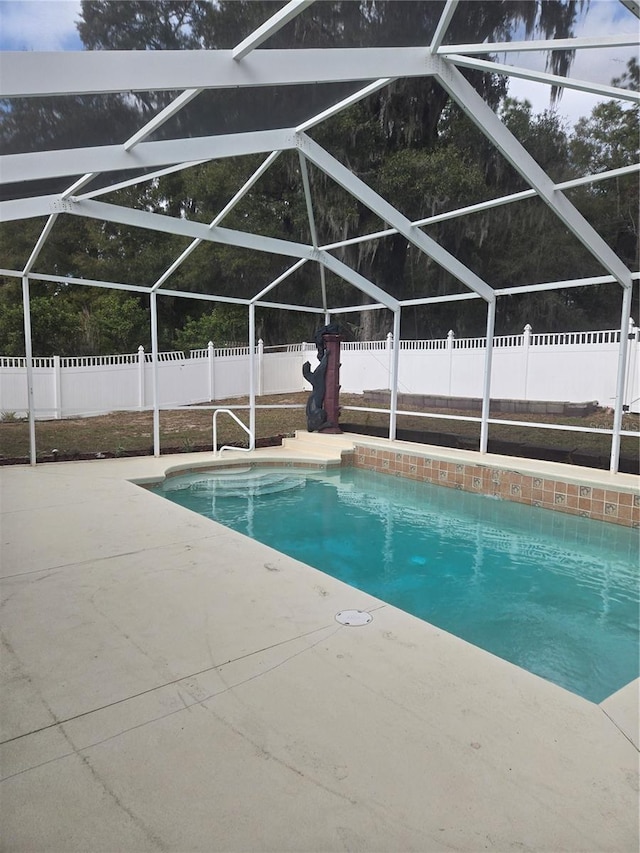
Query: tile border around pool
x=577, y=496
x=617, y=506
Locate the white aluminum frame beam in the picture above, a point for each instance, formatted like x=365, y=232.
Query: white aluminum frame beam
x=141, y=179
x=486, y=383
x=279, y=279
x=163, y=116
x=483, y=116
x=27, y=208
x=356, y=279
x=270, y=26
x=240, y=239
x=41, y=165
x=354, y=185
x=187, y=228
x=340, y=269
x=77, y=185
x=28, y=352
x=621, y=377
x=308, y=309
x=155, y=390
x=487, y=205
x=578, y=43
x=304, y=172
x=42, y=239
x=443, y=25
x=544, y=77
x=343, y=104
x=157, y=121
x=27, y=74
x=395, y=370
x=244, y=189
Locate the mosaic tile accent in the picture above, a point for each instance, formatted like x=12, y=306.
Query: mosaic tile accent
x=617, y=507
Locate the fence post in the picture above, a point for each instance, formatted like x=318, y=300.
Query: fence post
x=526, y=343
x=210, y=356
x=390, y=358
x=450, y=341
x=57, y=387
x=260, y=367
x=140, y=378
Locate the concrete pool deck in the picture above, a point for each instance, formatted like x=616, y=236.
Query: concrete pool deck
x=169, y=685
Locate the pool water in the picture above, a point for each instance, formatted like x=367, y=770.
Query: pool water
x=555, y=594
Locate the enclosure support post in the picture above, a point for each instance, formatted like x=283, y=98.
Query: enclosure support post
x=486, y=386
x=260, y=367
x=252, y=375
x=526, y=346
x=620, y=381
x=28, y=352
x=154, y=372
x=393, y=416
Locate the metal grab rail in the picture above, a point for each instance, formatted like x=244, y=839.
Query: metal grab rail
x=252, y=440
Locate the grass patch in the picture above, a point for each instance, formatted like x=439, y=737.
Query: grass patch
x=131, y=433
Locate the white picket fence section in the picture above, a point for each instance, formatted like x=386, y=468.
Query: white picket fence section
x=563, y=367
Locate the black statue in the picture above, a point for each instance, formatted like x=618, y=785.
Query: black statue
x=316, y=415
x=318, y=338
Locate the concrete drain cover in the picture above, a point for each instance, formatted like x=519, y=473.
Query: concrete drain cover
x=353, y=618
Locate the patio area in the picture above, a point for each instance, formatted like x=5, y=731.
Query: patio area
x=171, y=685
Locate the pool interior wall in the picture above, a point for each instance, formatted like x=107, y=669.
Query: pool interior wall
x=560, y=494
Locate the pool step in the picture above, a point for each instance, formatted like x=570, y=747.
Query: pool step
x=241, y=483
x=314, y=444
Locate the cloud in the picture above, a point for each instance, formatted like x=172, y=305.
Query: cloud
x=39, y=25
x=593, y=65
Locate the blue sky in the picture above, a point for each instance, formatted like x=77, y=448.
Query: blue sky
x=50, y=25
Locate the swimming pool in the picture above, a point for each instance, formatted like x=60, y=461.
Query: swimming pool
x=555, y=594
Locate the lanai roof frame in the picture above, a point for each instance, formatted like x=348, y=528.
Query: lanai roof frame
x=190, y=72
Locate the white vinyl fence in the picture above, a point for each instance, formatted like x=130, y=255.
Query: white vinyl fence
x=563, y=367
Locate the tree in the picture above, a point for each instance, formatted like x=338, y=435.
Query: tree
x=398, y=140
x=224, y=325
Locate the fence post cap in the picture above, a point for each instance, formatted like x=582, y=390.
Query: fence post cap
x=528, y=327
x=140, y=348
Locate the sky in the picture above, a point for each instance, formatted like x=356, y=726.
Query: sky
x=50, y=25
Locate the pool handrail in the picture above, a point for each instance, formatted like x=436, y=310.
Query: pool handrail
x=252, y=438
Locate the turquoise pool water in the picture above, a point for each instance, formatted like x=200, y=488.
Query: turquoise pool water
x=553, y=593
